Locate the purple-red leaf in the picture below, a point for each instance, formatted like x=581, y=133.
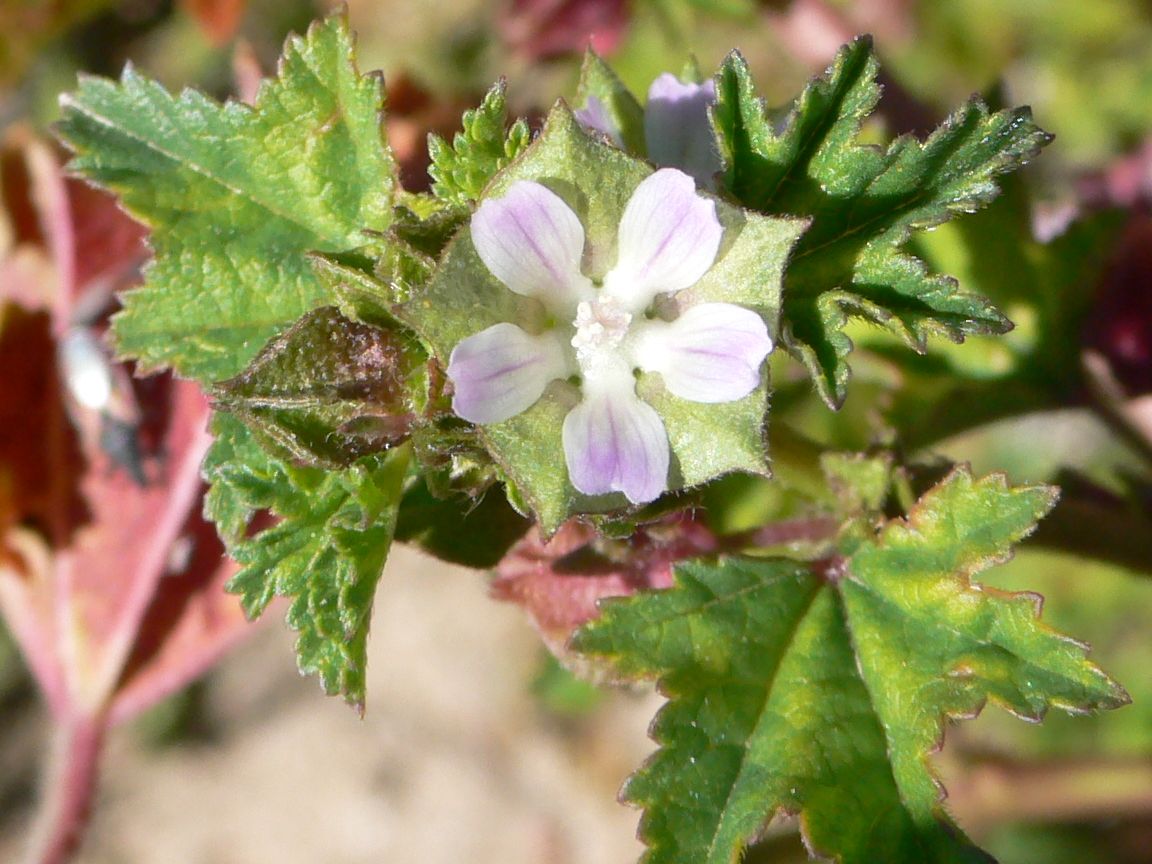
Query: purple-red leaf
x=560, y=583
x=109, y=580
x=540, y=29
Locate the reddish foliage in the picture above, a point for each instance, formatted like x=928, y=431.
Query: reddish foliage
x=27, y=271
x=219, y=19
x=190, y=622
x=540, y=29
x=109, y=246
x=560, y=583
x=1120, y=327
x=40, y=456
x=94, y=501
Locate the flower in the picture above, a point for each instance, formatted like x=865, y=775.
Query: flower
x=677, y=133
x=676, y=127
x=668, y=239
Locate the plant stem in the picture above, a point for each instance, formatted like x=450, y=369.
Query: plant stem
x=991, y=793
x=1111, y=405
x=69, y=787
x=812, y=529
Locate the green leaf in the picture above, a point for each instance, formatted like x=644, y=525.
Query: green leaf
x=329, y=391
x=865, y=203
x=598, y=81
x=325, y=551
x=462, y=169
x=859, y=482
x=474, y=531
x=236, y=197
x=597, y=180
x=1048, y=288
x=820, y=689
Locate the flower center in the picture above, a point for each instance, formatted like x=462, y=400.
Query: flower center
x=601, y=326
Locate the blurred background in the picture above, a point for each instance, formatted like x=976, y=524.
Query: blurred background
x=476, y=745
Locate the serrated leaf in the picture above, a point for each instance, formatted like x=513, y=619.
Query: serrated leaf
x=820, y=689
x=597, y=180
x=325, y=551
x=236, y=197
x=865, y=203
x=329, y=390
x=462, y=169
x=559, y=582
x=94, y=508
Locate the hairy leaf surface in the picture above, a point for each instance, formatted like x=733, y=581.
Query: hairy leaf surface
x=324, y=551
x=865, y=203
x=236, y=196
x=596, y=181
x=819, y=689
x=462, y=169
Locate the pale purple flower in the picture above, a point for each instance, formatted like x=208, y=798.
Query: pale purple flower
x=668, y=239
x=677, y=132
x=676, y=127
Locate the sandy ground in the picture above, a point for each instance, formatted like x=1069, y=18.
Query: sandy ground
x=455, y=761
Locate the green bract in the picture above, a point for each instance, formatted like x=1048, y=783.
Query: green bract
x=321, y=305
x=598, y=81
x=596, y=181
x=328, y=390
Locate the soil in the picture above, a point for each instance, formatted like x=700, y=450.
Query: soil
x=455, y=761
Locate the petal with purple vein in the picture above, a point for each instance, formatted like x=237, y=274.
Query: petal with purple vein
x=532, y=242
x=500, y=372
x=614, y=442
x=711, y=353
x=668, y=240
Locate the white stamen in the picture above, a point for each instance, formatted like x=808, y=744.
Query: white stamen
x=601, y=326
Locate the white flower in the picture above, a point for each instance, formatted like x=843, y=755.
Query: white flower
x=668, y=239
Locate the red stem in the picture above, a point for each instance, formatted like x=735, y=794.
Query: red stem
x=69, y=787
x=811, y=529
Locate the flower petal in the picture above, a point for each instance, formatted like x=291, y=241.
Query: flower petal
x=711, y=353
x=533, y=242
x=614, y=442
x=677, y=130
x=669, y=237
x=502, y=371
